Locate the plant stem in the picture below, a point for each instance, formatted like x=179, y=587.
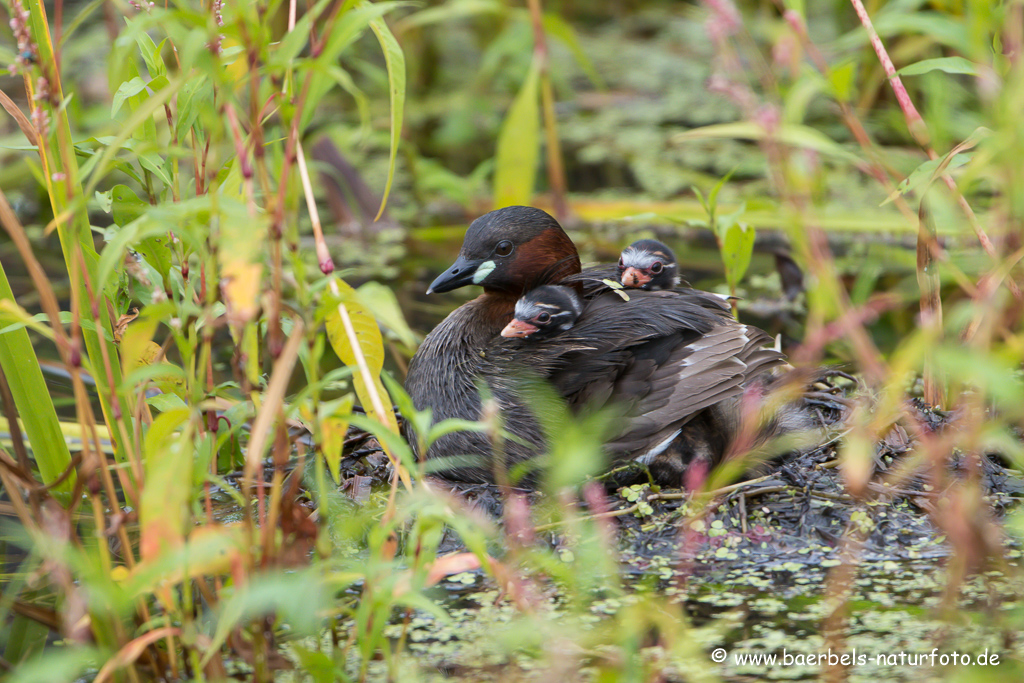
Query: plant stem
x=556, y=169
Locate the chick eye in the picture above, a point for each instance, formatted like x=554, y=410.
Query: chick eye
x=544, y=317
x=656, y=267
x=504, y=248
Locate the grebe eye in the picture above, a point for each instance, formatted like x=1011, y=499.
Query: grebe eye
x=544, y=317
x=504, y=248
x=656, y=267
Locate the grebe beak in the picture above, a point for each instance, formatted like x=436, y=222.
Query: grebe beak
x=634, y=277
x=458, y=275
x=517, y=328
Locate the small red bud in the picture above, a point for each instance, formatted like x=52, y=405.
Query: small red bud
x=75, y=354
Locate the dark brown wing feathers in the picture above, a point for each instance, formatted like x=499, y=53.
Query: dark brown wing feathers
x=662, y=357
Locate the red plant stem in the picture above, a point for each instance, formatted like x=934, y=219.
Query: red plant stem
x=915, y=123
x=243, y=158
x=919, y=131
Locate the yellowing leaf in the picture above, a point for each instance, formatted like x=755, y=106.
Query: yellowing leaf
x=164, y=506
x=239, y=68
x=367, y=339
x=210, y=550
x=334, y=427
x=364, y=325
x=137, y=345
x=241, y=261
x=519, y=145
x=144, y=353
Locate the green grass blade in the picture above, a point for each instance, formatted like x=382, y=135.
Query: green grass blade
x=39, y=417
x=395, y=60
x=515, y=167
x=67, y=200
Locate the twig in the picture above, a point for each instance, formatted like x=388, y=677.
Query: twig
x=830, y=496
x=735, y=487
x=743, y=512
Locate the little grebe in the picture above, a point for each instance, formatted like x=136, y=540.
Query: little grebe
x=674, y=362
x=648, y=264
x=543, y=312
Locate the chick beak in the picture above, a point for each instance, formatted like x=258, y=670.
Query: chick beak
x=517, y=328
x=634, y=277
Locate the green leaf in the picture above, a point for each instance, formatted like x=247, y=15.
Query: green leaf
x=519, y=145
x=163, y=510
x=712, y=203
x=725, y=221
x=841, y=80
x=291, y=45
x=192, y=98
x=346, y=30
x=318, y=666
x=790, y=134
x=299, y=598
x=389, y=438
x=450, y=11
x=395, y=60
x=151, y=240
x=125, y=205
x=452, y=425
x=139, y=117
x=737, y=248
x=950, y=65
x=151, y=54
x=700, y=198
x=344, y=80
x=57, y=664
x=557, y=27
x=932, y=169
x=381, y=301
x=166, y=402
x=26, y=638
x=127, y=89
x=939, y=27
x=925, y=173
x=155, y=164
x=32, y=398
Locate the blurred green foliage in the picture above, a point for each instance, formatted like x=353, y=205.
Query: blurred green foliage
x=169, y=165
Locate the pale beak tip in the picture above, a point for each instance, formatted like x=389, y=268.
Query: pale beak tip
x=518, y=330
